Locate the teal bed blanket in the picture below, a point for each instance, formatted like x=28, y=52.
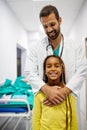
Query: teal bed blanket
x=17, y=90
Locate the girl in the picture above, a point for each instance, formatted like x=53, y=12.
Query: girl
x=58, y=117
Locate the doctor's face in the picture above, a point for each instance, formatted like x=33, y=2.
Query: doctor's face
x=51, y=26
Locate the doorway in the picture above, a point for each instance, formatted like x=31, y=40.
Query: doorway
x=18, y=61
x=86, y=79
x=21, y=56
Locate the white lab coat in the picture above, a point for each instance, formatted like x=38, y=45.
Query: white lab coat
x=73, y=57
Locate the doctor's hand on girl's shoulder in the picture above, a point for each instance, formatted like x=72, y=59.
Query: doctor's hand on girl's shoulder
x=55, y=95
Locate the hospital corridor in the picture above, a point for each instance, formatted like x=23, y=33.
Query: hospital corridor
x=22, y=27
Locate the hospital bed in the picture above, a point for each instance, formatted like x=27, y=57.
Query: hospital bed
x=16, y=104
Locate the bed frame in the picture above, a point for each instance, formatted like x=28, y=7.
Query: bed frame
x=20, y=115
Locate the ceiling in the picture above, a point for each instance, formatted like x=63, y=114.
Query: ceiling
x=27, y=11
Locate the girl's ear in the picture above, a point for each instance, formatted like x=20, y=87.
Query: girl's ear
x=61, y=68
x=45, y=73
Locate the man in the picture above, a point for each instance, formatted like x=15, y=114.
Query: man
x=73, y=57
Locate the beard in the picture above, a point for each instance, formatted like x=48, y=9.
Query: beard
x=53, y=34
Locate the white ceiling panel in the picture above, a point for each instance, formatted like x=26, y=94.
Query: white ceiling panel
x=27, y=12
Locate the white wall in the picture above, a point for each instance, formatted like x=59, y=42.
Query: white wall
x=79, y=28
x=11, y=34
x=78, y=33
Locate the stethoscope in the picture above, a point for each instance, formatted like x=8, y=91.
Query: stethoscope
x=61, y=47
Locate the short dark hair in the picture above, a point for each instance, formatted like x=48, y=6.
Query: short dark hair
x=62, y=77
x=47, y=10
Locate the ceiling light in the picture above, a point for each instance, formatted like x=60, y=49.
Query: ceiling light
x=42, y=0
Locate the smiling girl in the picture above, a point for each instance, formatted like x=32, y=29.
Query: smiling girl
x=58, y=117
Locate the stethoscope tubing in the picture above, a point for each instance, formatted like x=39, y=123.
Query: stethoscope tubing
x=49, y=45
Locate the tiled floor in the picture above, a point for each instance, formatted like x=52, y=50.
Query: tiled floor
x=9, y=123
x=22, y=124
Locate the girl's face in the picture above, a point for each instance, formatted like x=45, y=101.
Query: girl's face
x=53, y=69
